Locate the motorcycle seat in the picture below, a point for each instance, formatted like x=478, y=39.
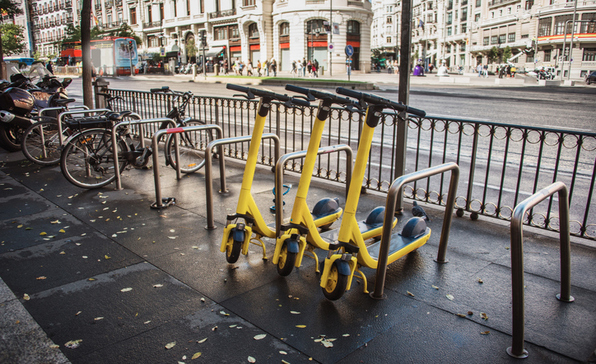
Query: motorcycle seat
x=63, y=102
x=118, y=116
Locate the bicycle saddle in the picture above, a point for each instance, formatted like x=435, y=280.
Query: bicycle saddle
x=118, y=116
x=63, y=102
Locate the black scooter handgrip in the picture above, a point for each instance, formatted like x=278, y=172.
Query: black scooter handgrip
x=349, y=93
x=415, y=111
x=161, y=89
x=298, y=89
x=300, y=102
x=234, y=87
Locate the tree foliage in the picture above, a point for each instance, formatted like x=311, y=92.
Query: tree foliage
x=13, y=40
x=507, y=53
x=191, y=47
x=9, y=8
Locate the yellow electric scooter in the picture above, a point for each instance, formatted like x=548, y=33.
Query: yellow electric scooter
x=301, y=234
x=350, y=252
x=238, y=235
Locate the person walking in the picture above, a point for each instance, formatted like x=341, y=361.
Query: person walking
x=259, y=68
x=267, y=68
x=303, y=67
x=294, y=69
x=249, y=69
x=273, y=67
x=299, y=63
x=479, y=70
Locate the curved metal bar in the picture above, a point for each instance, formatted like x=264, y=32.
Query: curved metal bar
x=158, y=203
x=390, y=205
x=75, y=112
x=219, y=142
x=517, y=350
x=279, y=176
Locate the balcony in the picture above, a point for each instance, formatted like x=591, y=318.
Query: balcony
x=222, y=14
x=496, y=3
x=153, y=24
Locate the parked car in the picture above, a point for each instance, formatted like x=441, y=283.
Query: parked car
x=591, y=78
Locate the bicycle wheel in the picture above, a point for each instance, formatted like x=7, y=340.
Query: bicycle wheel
x=87, y=160
x=41, y=143
x=192, y=148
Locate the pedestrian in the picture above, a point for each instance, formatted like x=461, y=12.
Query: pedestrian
x=49, y=67
x=303, y=67
x=294, y=69
x=314, y=69
x=485, y=71
x=309, y=66
x=267, y=68
x=273, y=65
x=299, y=63
x=479, y=70
x=225, y=66
x=249, y=69
x=259, y=68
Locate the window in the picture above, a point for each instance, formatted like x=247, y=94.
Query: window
x=462, y=47
x=544, y=26
x=175, y=8
x=455, y=29
x=464, y=14
x=560, y=24
x=478, y=3
x=493, y=39
x=589, y=55
x=234, y=33
x=529, y=4
x=389, y=20
x=448, y=48
x=502, y=38
x=249, y=2
x=449, y=18
x=388, y=39
x=511, y=37
x=161, y=15
x=525, y=36
x=464, y=28
x=315, y=26
x=188, y=7
x=284, y=28
x=477, y=17
x=500, y=12
x=390, y=8
x=509, y=10
x=485, y=41
x=149, y=14
x=547, y=55
x=353, y=27
x=588, y=27
x=253, y=30
x=449, y=31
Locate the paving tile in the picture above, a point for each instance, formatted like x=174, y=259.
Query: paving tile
x=55, y=263
x=100, y=314
x=38, y=228
x=23, y=204
x=227, y=339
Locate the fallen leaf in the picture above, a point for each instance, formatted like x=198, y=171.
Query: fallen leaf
x=435, y=287
x=224, y=313
x=20, y=226
x=128, y=289
x=301, y=326
x=55, y=222
x=43, y=233
x=157, y=285
x=485, y=333
x=107, y=257
x=346, y=335
x=172, y=237
x=410, y=293
x=260, y=336
x=73, y=344
x=170, y=345
x=470, y=313
x=62, y=252
x=449, y=297
x=62, y=231
x=98, y=318
x=26, y=297
x=251, y=359
x=295, y=312
x=484, y=316
x=460, y=315
x=85, y=257
x=78, y=313
x=41, y=278
x=283, y=352
x=202, y=341
x=196, y=355
x=480, y=281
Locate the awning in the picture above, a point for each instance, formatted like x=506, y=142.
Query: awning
x=212, y=52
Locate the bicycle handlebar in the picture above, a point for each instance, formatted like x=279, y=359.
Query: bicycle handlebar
x=373, y=99
x=315, y=94
x=254, y=92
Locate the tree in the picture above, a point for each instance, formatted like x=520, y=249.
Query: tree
x=507, y=53
x=126, y=31
x=13, y=40
x=495, y=54
x=191, y=48
x=8, y=9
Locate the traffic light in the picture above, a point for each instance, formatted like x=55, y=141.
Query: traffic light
x=130, y=45
x=222, y=53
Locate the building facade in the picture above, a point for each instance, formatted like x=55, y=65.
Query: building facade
x=470, y=32
x=48, y=24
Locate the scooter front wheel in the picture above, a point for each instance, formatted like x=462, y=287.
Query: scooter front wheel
x=336, y=282
x=287, y=260
x=233, y=250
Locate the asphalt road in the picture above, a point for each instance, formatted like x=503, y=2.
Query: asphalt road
x=556, y=107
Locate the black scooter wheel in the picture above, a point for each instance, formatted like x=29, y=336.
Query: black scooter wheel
x=336, y=282
x=233, y=250
x=10, y=137
x=286, y=261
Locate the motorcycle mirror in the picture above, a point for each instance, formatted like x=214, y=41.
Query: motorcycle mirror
x=66, y=82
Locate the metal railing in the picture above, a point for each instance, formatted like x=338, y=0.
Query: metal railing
x=517, y=350
x=501, y=164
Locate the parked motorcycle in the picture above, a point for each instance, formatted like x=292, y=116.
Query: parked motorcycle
x=16, y=106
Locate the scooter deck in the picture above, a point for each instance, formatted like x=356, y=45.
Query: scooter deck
x=397, y=243
x=331, y=236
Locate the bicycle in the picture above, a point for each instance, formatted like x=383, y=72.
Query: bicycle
x=192, y=143
x=87, y=159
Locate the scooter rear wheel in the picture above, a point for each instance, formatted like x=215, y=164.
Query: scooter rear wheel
x=286, y=261
x=10, y=137
x=233, y=250
x=336, y=282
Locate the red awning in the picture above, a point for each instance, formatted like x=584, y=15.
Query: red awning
x=354, y=44
x=318, y=44
x=236, y=49
x=284, y=45
x=255, y=47
x=71, y=52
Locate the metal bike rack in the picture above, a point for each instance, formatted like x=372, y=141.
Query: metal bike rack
x=135, y=122
x=159, y=203
x=222, y=173
x=279, y=176
x=517, y=260
x=390, y=206
x=60, y=108
x=85, y=112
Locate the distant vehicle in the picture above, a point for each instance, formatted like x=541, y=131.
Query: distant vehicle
x=591, y=78
x=26, y=60
x=114, y=53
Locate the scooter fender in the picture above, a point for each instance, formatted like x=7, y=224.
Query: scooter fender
x=293, y=247
x=230, y=230
x=344, y=269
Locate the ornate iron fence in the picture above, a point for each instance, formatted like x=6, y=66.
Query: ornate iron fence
x=500, y=164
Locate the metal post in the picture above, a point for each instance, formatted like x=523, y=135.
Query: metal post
x=330, y=35
x=392, y=197
x=572, y=35
x=517, y=350
x=403, y=92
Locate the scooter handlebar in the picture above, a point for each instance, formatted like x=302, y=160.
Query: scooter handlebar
x=315, y=94
x=253, y=92
x=372, y=99
x=160, y=89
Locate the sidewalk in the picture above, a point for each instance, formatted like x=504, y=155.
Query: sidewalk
x=99, y=277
